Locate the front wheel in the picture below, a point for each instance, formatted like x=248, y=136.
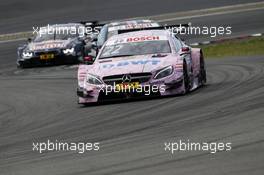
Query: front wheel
x=23, y=66
x=186, y=79
x=202, y=76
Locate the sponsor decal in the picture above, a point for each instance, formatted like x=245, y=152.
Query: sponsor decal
x=48, y=46
x=179, y=66
x=143, y=38
x=135, y=39
x=127, y=63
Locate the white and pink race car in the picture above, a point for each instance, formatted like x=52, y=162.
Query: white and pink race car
x=139, y=64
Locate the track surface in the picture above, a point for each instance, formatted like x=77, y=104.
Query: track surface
x=22, y=15
x=39, y=104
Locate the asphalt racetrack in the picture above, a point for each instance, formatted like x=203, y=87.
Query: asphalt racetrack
x=40, y=103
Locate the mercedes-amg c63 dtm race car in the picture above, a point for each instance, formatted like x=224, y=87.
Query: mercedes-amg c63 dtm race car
x=53, y=44
x=141, y=63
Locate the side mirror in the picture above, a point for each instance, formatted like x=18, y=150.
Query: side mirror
x=185, y=50
x=88, y=60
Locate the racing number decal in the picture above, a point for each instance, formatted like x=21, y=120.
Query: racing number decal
x=114, y=49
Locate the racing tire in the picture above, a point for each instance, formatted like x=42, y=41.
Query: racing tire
x=186, y=79
x=202, y=76
x=23, y=66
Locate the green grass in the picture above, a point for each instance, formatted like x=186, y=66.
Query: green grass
x=238, y=47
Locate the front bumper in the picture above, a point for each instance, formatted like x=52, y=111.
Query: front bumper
x=166, y=87
x=57, y=60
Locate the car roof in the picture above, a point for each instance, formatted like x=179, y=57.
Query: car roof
x=127, y=22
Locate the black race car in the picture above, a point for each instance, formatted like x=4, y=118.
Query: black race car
x=54, y=45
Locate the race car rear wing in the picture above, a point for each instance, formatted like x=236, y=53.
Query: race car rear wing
x=165, y=27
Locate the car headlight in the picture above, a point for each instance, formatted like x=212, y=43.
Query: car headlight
x=164, y=72
x=27, y=54
x=93, y=79
x=68, y=51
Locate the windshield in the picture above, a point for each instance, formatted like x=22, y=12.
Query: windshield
x=135, y=48
x=125, y=26
x=112, y=33
x=53, y=36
